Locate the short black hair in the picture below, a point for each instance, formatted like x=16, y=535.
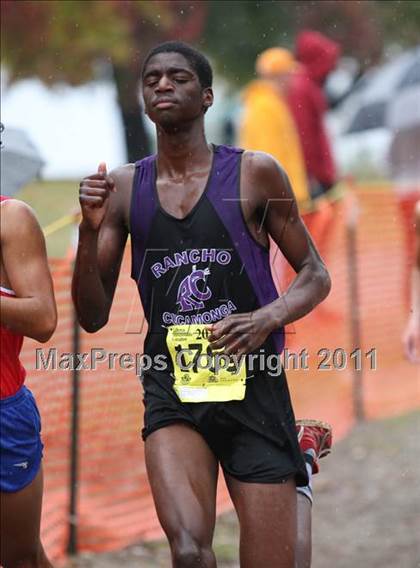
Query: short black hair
x=199, y=62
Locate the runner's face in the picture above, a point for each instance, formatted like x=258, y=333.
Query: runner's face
x=172, y=91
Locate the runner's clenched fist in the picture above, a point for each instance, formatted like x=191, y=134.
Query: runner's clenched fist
x=94, y=197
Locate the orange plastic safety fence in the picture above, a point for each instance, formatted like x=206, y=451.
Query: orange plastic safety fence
x=114, y=501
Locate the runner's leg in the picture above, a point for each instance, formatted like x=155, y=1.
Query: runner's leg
x=183, y=473
x=20, y=525
x=267, y=518
x=315, y=439
x=304, y=532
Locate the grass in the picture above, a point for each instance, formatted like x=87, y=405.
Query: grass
x=52, y=200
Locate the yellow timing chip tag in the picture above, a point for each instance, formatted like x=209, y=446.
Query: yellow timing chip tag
x=201, y=374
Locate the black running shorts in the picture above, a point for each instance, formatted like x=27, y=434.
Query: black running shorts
x=253, y=439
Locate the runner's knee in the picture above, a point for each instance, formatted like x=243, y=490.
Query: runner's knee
x=189, y=552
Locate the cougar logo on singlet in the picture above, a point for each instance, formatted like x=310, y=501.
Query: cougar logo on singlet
x=190, y=297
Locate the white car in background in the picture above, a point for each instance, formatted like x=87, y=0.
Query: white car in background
x=362, y=127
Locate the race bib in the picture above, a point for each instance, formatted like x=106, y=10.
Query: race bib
x=201, y=374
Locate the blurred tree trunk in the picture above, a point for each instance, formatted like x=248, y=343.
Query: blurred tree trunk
x=136, y=137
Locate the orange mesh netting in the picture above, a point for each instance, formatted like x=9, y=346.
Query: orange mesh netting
x=114, y=501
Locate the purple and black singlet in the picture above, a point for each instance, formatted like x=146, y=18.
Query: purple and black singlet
x=198, y=270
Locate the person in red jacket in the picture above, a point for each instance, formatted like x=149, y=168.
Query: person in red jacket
x=317, y=56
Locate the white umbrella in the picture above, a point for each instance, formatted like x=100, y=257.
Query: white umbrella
x=380, y=88
x=20, y=161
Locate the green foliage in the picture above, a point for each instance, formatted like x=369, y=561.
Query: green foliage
x=60, y=40
x=400, y=20
x=236, y=32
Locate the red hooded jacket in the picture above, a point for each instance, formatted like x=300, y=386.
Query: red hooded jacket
x=317, y=56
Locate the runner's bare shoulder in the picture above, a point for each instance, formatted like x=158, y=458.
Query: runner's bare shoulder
x=265, y=174
x=123, y=175
x=18, y=220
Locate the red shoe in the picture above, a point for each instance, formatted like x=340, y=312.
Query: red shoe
x=316, y=437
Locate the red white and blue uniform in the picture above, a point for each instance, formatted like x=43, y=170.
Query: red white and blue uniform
x=20, y=424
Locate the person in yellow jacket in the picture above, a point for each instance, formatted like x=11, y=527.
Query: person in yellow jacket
x=266, y=123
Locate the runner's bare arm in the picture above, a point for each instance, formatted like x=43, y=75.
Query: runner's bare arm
x=284, y=224
x=268, y=189
x=417, y=221
x=411, y=335
x=102, y=237
x=25, y=268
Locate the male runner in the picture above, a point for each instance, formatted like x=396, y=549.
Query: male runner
x=199, y=218
x=27, y=309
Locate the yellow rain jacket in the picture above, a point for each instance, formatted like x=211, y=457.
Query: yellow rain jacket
x=267, y=125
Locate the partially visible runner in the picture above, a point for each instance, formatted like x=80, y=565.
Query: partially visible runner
x=411, y=337
x=403, y=118
x=27, y=309
x=200, y=217
x=268, y=126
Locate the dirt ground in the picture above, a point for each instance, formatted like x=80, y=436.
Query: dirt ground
x=366, y=512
